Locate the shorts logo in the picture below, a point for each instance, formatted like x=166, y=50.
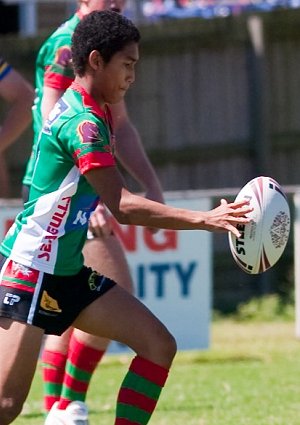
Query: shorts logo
x=93, y=283
x=11, y=299
x=49, y=304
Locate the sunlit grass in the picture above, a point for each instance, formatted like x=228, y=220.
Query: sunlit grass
x=250, y=376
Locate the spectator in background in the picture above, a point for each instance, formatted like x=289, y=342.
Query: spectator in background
x=18, y=94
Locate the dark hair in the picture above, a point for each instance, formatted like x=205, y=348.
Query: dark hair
x=105, y=31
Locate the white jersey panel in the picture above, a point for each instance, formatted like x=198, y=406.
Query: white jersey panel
x=36, y=245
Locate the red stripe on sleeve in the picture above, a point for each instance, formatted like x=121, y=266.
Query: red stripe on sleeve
x=93, y=160
x=57, y=81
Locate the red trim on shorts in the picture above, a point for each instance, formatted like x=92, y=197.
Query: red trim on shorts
x=20, y=277
x=16, y=286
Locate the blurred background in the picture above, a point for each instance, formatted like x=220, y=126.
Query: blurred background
x=28, y=16
x=216, y=101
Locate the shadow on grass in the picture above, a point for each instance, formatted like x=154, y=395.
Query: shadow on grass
x=215, y=359
x=163, y=408
x=33, y=415
x=194, y=358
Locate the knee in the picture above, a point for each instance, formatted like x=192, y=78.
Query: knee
x=170, y=347
x=165, y=348
x=10, y=408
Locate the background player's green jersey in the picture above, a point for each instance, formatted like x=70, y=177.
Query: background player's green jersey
x=49, y=234
x=53, y=69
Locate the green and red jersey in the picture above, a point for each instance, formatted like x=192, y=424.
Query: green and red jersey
x=49, y=234
x=53, y=69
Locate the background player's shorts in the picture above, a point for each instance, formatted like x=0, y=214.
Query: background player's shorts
x=47, y=301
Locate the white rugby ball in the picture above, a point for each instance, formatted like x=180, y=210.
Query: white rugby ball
x=264, y=239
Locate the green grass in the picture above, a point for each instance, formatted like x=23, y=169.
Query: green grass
x=250, y=376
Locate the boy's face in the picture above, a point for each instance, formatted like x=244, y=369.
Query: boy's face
x=112, y=80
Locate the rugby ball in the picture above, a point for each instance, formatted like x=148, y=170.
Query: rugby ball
x=263, y=240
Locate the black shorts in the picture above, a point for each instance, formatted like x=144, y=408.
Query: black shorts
x=48, y=301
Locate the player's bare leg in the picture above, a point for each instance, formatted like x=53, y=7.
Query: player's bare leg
x=119, y=316
x=19, y=351
x=4, y=177
x=84, y=351
x=106, y=256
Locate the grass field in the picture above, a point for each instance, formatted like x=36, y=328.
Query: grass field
x=250, y=376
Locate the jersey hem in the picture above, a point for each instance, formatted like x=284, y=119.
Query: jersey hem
x=40, y=267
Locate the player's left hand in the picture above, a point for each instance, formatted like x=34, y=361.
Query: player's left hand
x=100, y=222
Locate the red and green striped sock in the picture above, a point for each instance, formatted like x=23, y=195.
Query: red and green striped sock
x=81, y=363
x=139, y=392
x=53, y=370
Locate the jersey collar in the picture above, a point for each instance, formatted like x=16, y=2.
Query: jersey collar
x=79, y=14
x=88, y=101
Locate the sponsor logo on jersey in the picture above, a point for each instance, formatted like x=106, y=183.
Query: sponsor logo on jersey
x=63, y=57
x=82, y=218
x=59, y=108
x=89, y=133
x=57, y=221
x=49, y=304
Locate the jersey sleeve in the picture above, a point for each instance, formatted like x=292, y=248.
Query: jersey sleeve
x=58, y=70
x=88, y=140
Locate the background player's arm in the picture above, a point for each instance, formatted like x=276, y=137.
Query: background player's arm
x=50, y=97
x=19, y=94
x=129, y=149
x=130, y=152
